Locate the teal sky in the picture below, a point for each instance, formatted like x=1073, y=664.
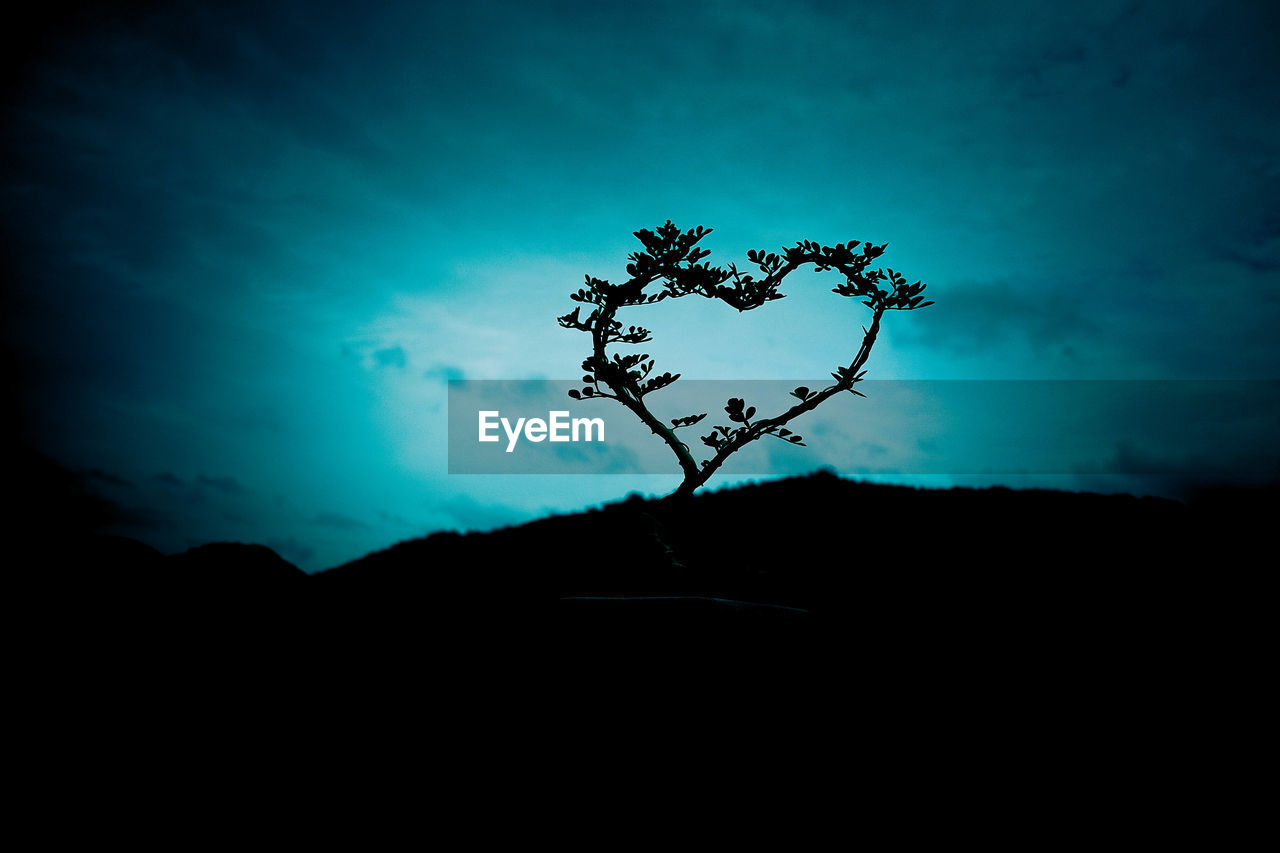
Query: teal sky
x=247, y=247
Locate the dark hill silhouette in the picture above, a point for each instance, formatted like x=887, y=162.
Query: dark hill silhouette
x=819, y=553
x=230, y=563
x=802, y=542
x=895, y=570
x=987, y=621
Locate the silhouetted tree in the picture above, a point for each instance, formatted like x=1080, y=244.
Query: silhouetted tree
x=670, y=258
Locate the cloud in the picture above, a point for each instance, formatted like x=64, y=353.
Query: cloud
x=107, y=478
x=1255, y=241
x=444, y=373
x=292, y=550
x=597, y=458
x=239, y=518
x=338, y=521
x=465, y=513
x=391, y=357
x=980, y=316
x=226, y=485
x=1140, y=470
x=393, y=519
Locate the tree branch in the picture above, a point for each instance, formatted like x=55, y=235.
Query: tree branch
x=671, y=257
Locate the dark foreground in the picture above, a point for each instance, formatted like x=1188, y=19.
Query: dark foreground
x=806, y=560
x=897, y=637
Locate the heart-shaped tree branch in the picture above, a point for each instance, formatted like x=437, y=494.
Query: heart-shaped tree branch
x=670, y=259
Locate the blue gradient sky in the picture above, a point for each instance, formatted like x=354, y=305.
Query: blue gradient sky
x=247, y=247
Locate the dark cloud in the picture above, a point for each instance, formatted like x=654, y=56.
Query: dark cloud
x=338, y=521
x=391, y=357
x=292, y=550
x=444, y=373
x=1266, y=260
x=226, y=485
x=239, y=518
x=596, y=457
x=1255, y=243
x=393, y=519
x=990, y=315
x=107, y=478
x=468, y=514
x=1180, y=474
